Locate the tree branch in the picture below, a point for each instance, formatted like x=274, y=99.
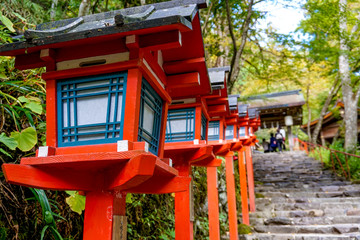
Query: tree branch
x=207, y=18
x=231, y=30
x=333, y=91
x=235, y=67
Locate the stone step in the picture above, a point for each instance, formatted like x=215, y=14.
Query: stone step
x=327, y=212
x=307, y=205
x=319, y=178
x=297, y=199
x=319, y=229
x=309, y=184
x=267, y=177
x=329, y=188
x=307, y=220
x=274, y=236
x=307, y=200
x=308, y=194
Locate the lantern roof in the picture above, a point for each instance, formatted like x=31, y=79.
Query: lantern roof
x=217, y=101
x=233, y=102
x=243, y=110
x=180, y=12
x=171, y=30
x=253, y=113
x=218, y=77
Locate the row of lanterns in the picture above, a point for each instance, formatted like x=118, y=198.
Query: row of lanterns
x=131, y=107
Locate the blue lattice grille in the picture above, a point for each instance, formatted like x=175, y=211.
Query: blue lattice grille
x=229, y=132
x=214, y=130
x=180, y=125
x=203, y=127
x=150, y=117
x=90, y=109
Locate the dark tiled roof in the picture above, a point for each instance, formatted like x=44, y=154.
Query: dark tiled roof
x=277, y=94
x=277, y=100
x=107, y=23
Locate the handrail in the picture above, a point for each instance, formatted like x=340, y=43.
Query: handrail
x=307, y=147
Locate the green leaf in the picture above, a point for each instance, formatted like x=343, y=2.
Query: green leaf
x=23, y=99
x=71, y=193
x=3, y=76
x=26, y=139
x=43, y=232
x=55, y=233
x=8, y=141
x=34, y=99
x=5, y=152
x=7, y=22
x=76, y=201
x=128, y=198
x=19, y=16
x=35, y=107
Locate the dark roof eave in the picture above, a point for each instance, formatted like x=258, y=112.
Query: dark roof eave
x=299, y=104
x=277, y=94
x=97, y=32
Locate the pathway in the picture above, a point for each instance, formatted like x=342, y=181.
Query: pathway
x=296, y=199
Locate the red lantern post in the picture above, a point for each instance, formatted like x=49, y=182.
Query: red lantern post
x=218, y=108
x=109, y=79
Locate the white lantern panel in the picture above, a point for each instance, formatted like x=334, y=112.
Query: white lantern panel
x=229, y=132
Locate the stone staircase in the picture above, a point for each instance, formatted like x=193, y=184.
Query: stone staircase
x=296, y=199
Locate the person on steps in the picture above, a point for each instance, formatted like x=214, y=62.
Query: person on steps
x=273, y=144
x=279, y=139
x=265, y=146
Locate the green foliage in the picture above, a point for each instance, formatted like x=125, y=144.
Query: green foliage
x=76, y=201
x=48, y=215
x=26, y=139
x=6, y=21
x=151, y=217
x=338, y=160
x=10, y=142
x=3, y=233
x=23, y=13
x=321, y=154
x=32, y=103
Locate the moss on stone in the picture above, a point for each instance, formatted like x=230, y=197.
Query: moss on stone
x=259, y=195
x=244, y=229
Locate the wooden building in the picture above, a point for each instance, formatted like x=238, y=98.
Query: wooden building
x=331, y=124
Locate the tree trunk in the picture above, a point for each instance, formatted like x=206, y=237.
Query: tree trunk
x=334, y=89
x=84, y=7
x=54, y=4
x=106, y=5
x=236, y=59
x=349, y=98
x=309, y=111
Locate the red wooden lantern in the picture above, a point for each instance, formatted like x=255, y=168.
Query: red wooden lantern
x=218, y=108
x=243, y=124
x=224, y=114
x=185, y=144
x=247, y=138
x=109, y=80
